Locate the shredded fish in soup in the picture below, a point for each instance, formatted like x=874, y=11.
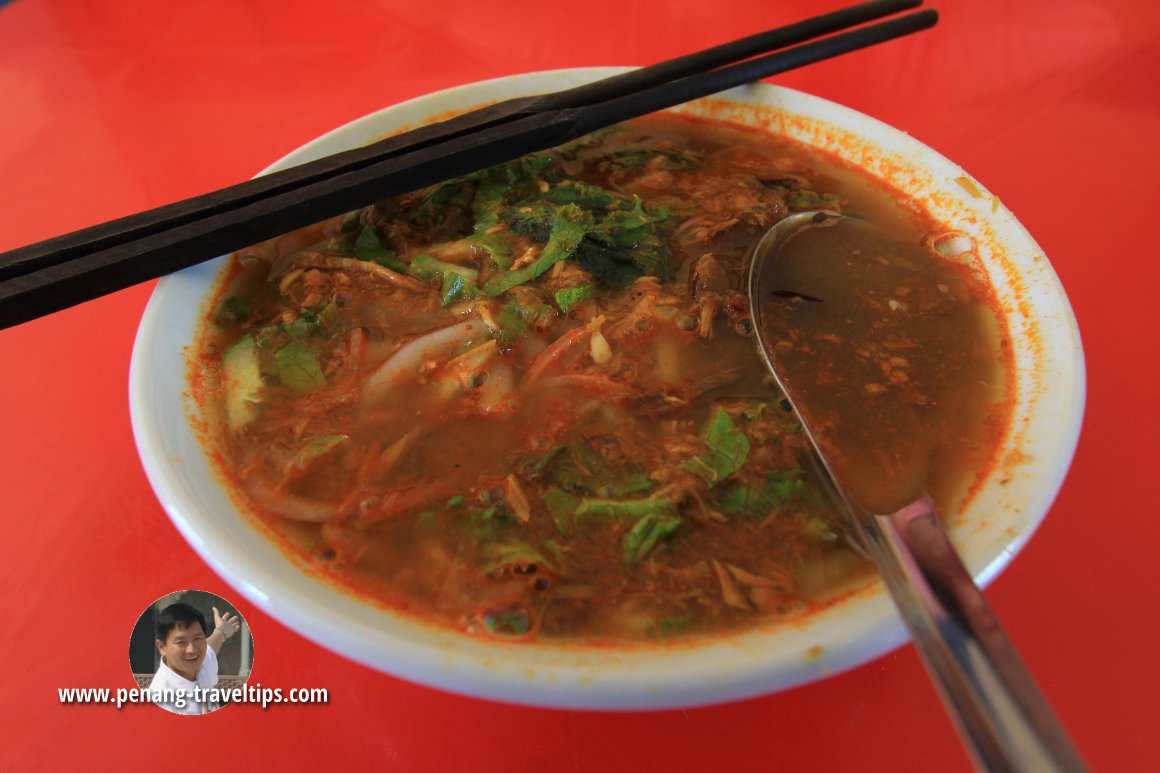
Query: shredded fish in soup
x=525, y=403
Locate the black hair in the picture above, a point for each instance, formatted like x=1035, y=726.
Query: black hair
x=179, y=615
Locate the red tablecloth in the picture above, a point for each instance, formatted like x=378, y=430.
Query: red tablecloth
x=111, y=107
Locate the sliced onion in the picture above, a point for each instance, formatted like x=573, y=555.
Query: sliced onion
x=497, y=395
x=436, y=345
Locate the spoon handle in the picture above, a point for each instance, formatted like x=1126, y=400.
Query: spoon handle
x=1000, y=712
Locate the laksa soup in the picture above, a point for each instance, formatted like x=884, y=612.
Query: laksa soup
x=525, y=404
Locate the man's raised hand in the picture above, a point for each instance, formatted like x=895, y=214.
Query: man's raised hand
x=228, y=624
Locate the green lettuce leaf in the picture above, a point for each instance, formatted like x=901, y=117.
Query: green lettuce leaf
x=489, y=232
x=298, y=366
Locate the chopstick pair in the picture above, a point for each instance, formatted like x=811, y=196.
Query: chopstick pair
x=56, y=273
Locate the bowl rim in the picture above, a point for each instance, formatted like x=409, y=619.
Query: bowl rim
x=737, y=667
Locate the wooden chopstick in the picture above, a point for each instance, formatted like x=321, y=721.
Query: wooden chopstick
x=102, y=236
x=105, y=235
x=81, y=266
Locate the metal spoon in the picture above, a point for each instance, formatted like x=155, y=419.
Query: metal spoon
x=1003, y=718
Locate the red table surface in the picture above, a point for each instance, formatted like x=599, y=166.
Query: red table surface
x=107, y=108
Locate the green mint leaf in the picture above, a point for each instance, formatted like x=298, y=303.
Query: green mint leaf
x=667, y=626
x=568, y=298
x=568, y=228
x=368, y=246
x=645, y=535
x=780, y=488
x=623, y=509
x=726, y=449
x=508, y=621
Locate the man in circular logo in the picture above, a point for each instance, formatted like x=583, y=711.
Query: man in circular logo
x=189, y=664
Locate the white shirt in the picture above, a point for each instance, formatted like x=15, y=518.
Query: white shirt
x=167, y=685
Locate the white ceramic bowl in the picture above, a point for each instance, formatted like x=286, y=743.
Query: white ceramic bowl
x=1033, y=459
